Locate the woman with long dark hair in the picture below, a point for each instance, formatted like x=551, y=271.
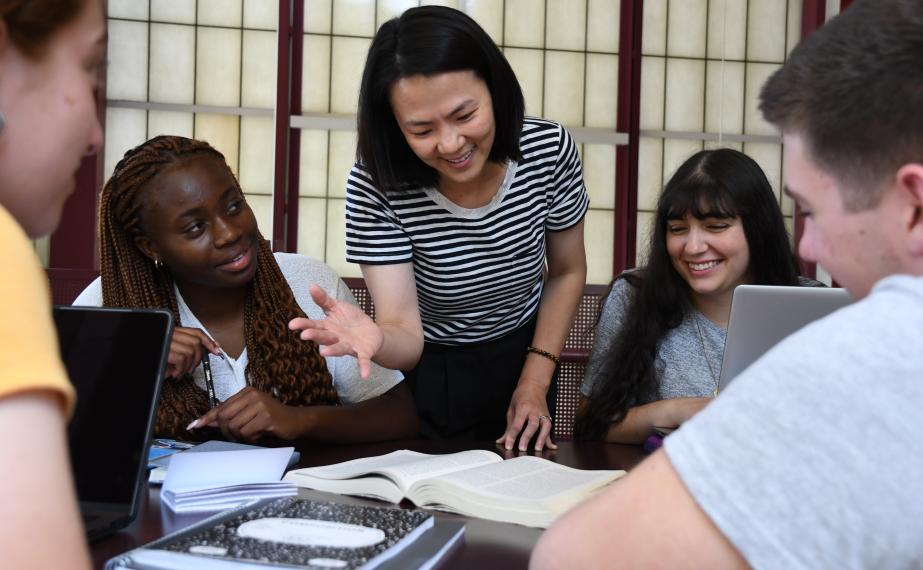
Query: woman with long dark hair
x=660, y=336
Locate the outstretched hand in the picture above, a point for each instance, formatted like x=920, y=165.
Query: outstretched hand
x=345, y=330
x=527, y=416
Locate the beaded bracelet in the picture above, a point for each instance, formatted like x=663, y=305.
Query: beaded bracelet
x=544, y=353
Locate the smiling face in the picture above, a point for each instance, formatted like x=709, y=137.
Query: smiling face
x=51, y=124
x=448, y=121
x=198, y=223
x=710, y=254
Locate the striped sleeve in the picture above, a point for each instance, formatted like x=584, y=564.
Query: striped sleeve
x=569, y=202
x=374, y=233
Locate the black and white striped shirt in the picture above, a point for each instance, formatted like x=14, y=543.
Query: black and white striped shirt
x=479, y=272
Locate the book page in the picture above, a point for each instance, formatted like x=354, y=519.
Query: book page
x=527, y=478
x=404, y=467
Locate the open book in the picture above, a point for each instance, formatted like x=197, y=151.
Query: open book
x=525, y=490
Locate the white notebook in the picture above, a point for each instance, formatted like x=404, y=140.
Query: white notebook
x=219, y=480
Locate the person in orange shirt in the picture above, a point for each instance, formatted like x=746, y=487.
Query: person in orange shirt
x=50, y=55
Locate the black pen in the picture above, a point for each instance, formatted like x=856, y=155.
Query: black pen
x=209, y=383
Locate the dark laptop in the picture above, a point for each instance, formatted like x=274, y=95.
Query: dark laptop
x=115, y=359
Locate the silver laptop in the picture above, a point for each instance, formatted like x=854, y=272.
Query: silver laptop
x=762, y=315
x=115, y=359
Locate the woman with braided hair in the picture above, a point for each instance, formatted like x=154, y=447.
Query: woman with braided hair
x=176, y=232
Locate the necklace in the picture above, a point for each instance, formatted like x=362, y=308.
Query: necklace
x=711, y=371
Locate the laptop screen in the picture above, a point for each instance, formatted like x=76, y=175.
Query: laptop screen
x=115, y=359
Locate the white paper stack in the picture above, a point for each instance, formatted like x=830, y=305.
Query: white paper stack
x=218, y=480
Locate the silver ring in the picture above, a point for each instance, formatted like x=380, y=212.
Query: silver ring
x=540, y=418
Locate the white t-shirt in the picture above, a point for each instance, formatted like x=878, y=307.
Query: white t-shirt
x=813, y=457
x=300, y=272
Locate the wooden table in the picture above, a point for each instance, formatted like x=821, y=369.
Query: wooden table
x=487, y=544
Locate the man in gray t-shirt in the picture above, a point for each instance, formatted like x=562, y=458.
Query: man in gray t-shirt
x=812, y=458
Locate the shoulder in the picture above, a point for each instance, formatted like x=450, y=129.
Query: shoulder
x=299, y=268
x=542, y=132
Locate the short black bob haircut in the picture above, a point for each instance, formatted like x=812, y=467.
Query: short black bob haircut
x=427, y=41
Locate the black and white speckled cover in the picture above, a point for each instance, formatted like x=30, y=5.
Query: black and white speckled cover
x=220, y=538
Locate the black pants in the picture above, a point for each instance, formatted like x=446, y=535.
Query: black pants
x=463, y=392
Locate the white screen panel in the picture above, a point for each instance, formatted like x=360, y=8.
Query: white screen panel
x=757, y=74
x=125, y=129
x=525, y=23
x=653, y=74
x=172, y=65
x=603, y=20
x=685, y=95
x=342, y=158
x=566, y=25
x=315, y=85
x=336, y=240
x=174, y=11
x=223, y=133
x=258, y=86
x=650, y=172
x=257, y=154
x=724, y=97
x=313, y=170
x=218, y=67
x=226, y=13
x=169, y=123
x=602, y=76
x=564, y=86
x=261, y=14
x=126, y=76
x=599, y=174
x=529, y=67
x=727, y=29
x=388, y=9
x=489, y=15
x=312, y=227
x=766, y=23
x=599, y=232
x=354, y=17
x=318, y=15
x=348, y=60
x=654, y=28
x=686, y=22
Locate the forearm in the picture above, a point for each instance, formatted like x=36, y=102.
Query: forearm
x=401, y=346
x=389, y=416
x=640, y=420
x=555, y=317
x=37, y=498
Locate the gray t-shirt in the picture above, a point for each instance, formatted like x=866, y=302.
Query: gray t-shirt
x=813, y=457
x=687, y=362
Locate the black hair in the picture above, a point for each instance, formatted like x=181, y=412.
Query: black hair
x=426, y=41
x=721, y=183
x=854, y=90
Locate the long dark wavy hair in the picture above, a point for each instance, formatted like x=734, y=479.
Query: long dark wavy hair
x=721, y=183
x=279, y=362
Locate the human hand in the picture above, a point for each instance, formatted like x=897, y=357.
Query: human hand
x=186, y=348
x=346, y=330
x=526, y=416
x=251, y=414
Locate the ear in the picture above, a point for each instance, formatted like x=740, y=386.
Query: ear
x=909, y=181
x=148, y=248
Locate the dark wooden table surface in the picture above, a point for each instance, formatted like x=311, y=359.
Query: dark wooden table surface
x=487, y=544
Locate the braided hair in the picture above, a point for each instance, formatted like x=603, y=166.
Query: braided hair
x=279, y=362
